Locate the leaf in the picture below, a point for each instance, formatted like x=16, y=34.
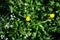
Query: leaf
x=28, y=1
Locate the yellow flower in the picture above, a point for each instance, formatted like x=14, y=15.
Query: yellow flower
x=52, y=15
x=28, y=18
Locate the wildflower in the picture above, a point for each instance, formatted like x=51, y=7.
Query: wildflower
x=52, y=15
x=2, y=36
x=28, y=18
x=7, y=25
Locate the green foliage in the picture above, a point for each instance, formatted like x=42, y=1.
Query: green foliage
x=13, y=24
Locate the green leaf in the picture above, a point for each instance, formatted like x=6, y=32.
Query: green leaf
x=28, y=1
x=57, y=4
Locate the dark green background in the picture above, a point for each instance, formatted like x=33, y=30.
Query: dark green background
x=14, y=26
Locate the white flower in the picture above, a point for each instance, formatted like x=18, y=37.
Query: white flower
x=2, y=36
x=12, y=16
x=11, y=26
x=7, y=25
x=26, y=4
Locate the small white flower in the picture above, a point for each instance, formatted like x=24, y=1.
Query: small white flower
x=14, y=16
x=30, y=29
x=7, y=25
x=26, y=4
x=2, y=36
x=11, y=15
x=11, y=26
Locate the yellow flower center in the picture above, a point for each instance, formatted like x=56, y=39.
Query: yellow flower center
x=28, y=18
x=52, y=15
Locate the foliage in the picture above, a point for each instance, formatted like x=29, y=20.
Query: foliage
x=29, y=19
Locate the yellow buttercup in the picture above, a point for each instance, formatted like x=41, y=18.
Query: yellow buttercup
x=52, y=15
x=28, y=18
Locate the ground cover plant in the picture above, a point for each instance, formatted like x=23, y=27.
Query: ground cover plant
x=29, y=19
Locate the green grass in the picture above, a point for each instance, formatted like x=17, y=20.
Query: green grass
x=13, y=24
